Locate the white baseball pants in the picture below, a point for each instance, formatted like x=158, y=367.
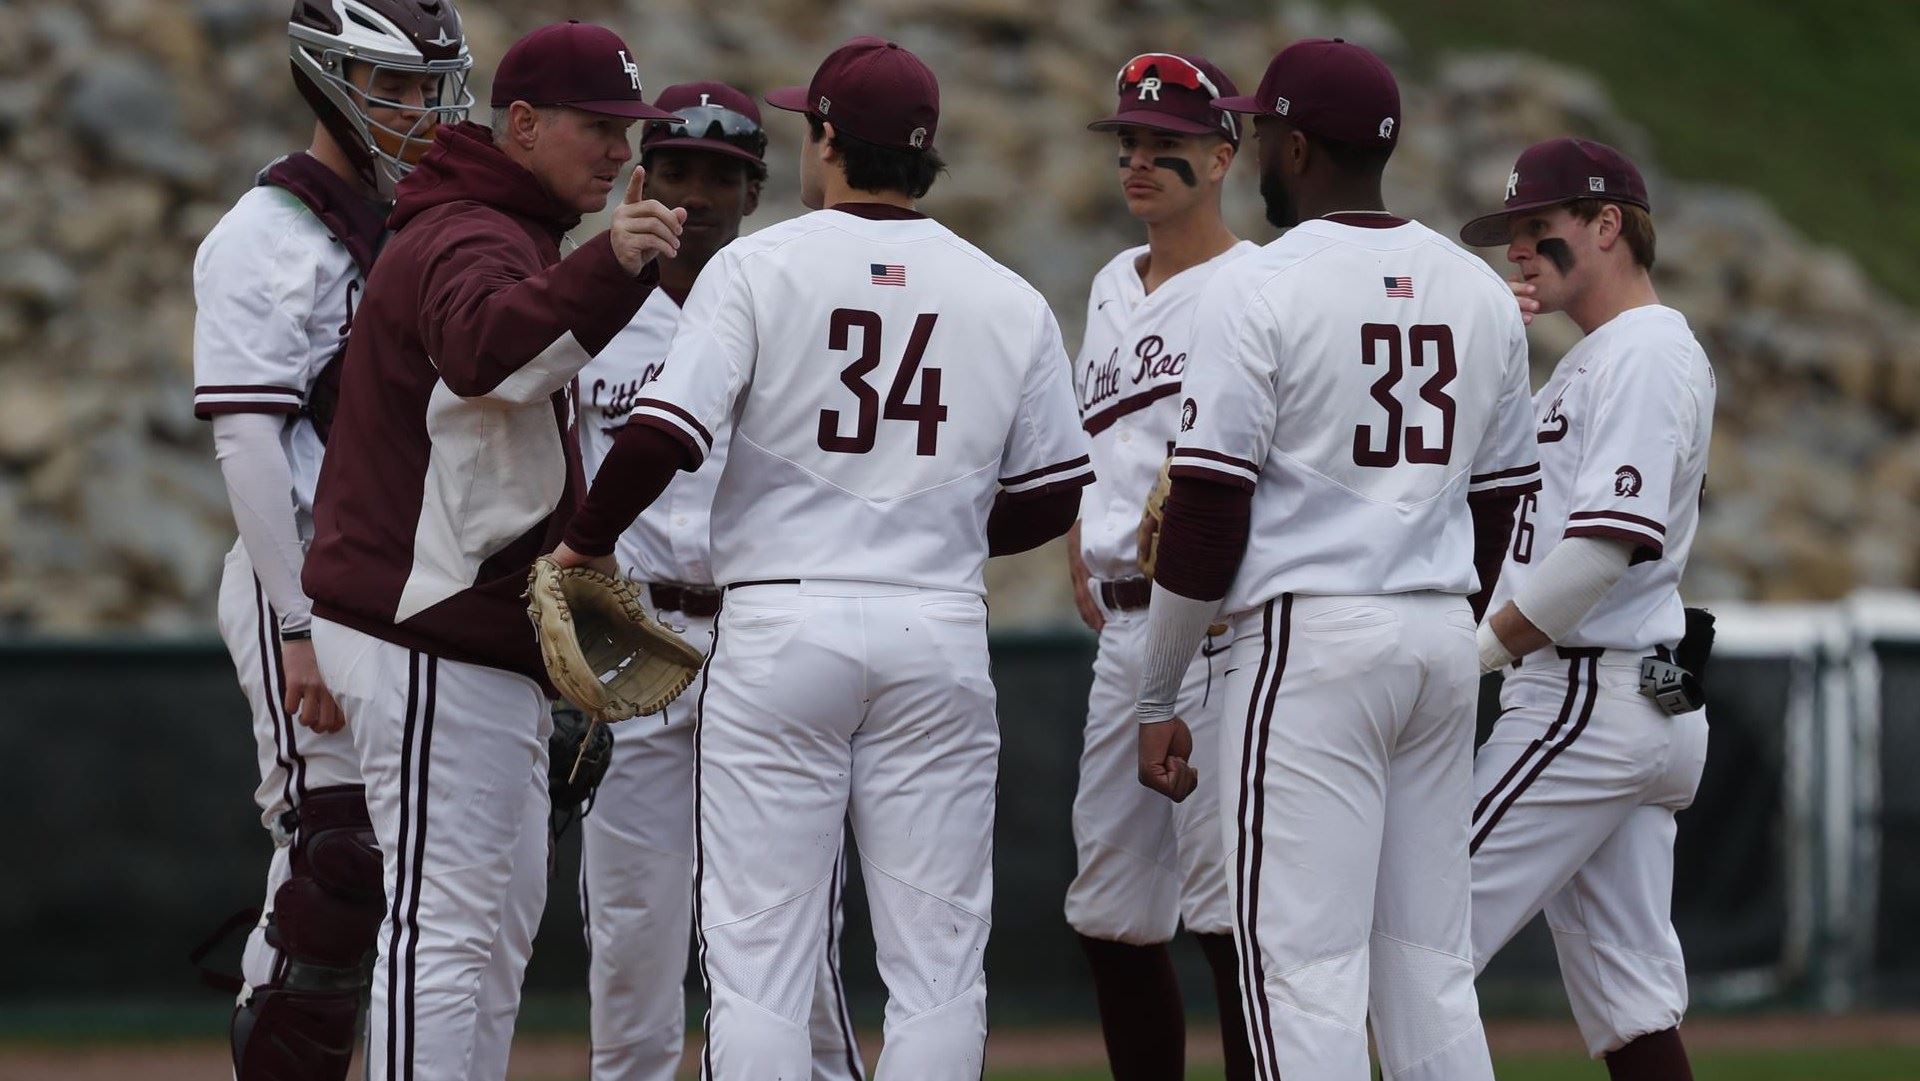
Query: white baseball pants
x=293, y=759
x=1147, y=864
x=455, y=761
x=1348, y=733
x=1576, y=793
x=831, y=702
x=636, y=897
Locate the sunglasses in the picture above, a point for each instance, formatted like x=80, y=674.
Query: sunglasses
x=1171, y=69
x=720, y=123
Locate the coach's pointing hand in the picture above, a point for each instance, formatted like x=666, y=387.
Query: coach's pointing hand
x=1165, y=747
x=644, y=229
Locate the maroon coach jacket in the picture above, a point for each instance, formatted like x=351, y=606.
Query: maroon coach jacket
x=452, y=464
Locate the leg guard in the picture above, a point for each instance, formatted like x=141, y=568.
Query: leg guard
x=300, y=1025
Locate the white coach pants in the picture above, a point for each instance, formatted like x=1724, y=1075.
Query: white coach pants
x=845, y=701
x=455, y=761
x=1348, y=734
x=293, y=759
x=1147, y=864
x=636, y=897
x=1576, y=793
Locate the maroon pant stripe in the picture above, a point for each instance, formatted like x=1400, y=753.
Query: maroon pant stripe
x=397, y=918
x=1252, y=820
x=700, y=855
x=1586, y=712
x=1520, y=763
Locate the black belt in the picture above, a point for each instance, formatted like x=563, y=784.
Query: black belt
x=700, y=601
x=1126, y=594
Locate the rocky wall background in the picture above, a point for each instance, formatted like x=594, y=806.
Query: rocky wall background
x=128, y=126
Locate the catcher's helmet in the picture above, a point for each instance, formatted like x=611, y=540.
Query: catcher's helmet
x=421, y=36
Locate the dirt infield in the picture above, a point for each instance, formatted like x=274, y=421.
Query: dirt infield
x=553, y=1058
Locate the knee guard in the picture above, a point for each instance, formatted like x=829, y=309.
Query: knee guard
x=326, y=917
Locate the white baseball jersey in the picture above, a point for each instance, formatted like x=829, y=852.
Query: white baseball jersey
x=1624, y=426
x=670, y=541
x=275, y=294
x=884, y=380
x=1360, y=375
x=1128, y=378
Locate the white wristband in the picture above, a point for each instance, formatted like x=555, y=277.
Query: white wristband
x=1494, y=653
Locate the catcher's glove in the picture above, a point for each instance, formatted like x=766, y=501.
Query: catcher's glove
x=601, y=649
x=578, y=755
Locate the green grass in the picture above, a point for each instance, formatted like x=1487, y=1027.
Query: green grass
x=1803, y=103
x=1848, y=1064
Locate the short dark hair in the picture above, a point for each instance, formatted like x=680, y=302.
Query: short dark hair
x=871, y=167
x=1636, y=226
x=1360, y=159
x=756, y=171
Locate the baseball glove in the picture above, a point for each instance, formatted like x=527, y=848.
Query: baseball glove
x=601, y=649
x=1153, y=518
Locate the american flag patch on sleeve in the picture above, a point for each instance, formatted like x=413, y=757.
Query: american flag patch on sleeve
x=1399, y=287
x=888, y=273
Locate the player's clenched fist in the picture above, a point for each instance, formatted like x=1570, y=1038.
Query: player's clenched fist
x=644, y=229
x=1166, y=750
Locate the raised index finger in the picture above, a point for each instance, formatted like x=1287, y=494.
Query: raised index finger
x=635, y=181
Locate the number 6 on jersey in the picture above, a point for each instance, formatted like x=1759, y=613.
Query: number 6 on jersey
x=927, y=412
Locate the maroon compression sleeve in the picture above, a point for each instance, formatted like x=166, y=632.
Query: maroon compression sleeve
x=1492, y=528
x=637, y=469
x=1203, y=537
x=1018, y=523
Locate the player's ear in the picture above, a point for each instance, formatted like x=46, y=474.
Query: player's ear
x=751, y=201
x=1220, y=160
x=1606, y=226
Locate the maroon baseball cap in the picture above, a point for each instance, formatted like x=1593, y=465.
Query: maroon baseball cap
x=1331, y=88
x=873, y=90
x=1554, y=172
x=575, y=64
x=1173, y=92
x=708, y=116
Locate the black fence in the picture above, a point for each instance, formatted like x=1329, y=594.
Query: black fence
x=128, y=775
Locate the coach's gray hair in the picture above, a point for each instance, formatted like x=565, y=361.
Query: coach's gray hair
x=497, y=123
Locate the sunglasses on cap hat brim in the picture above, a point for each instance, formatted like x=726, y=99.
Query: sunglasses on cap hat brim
x=1176, y=70
x=707, y=124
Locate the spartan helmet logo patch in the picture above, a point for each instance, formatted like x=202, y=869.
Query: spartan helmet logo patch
x=1596, y=183
x=1386, y=128
x=1626, y=482
x=1282, y=105
x=1150, y=88
x=632, y=69
x=1513, y=184
x=917, y=138
x=1188, y=413
x=824, y=105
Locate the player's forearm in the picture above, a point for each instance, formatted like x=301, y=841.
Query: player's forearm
x=494, y=338
x=1176, y=625
x=1202, y=542
x=260, y=488
x=637, y=469
x=1492, y=529
x=1017, y=525
x=1570, y=581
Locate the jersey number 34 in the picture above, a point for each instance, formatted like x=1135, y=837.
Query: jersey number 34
x=1429, y=347
x=928, y=413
